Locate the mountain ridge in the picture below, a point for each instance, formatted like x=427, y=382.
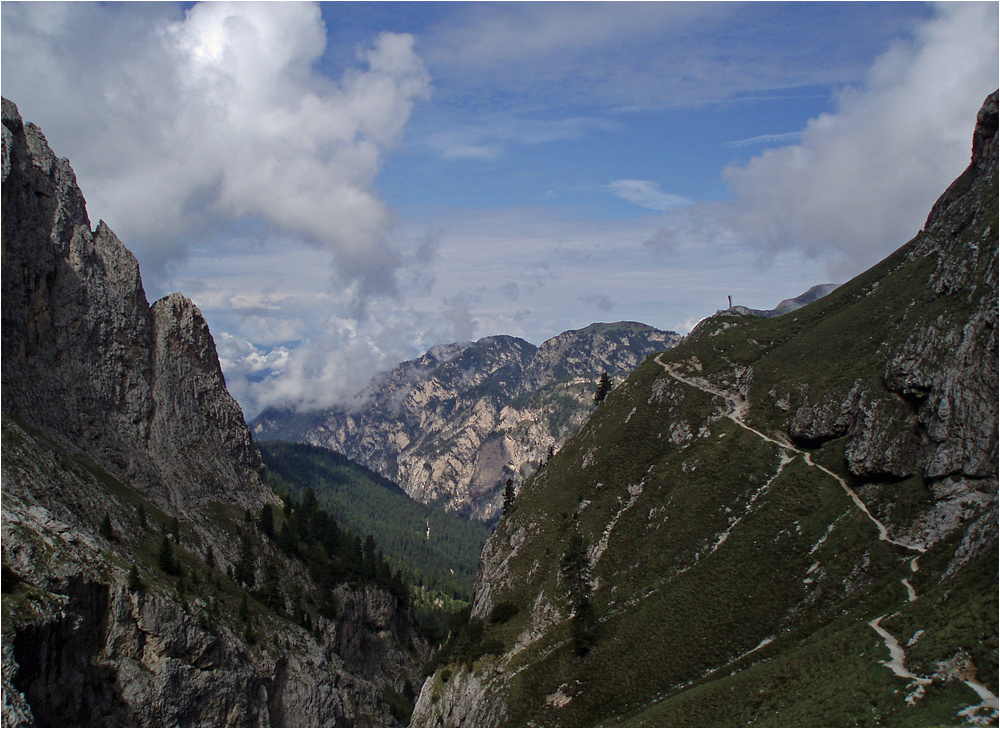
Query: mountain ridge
x=452, y=425
x=787, y=521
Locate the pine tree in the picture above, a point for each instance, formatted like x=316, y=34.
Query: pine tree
x=575, y=569
x=267, y=521
x=245, y=569
x=134, y=581
x=508, y=495
x=369, y=565
x=168, y=563
x=603, y=388
x=107, y=531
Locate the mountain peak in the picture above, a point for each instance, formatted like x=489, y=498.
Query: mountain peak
x=88, y=360
x=454, y=424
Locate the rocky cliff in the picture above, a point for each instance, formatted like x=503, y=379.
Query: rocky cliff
x=779, y=521
x=130, y=493
x=453, y=425
x=90, y=362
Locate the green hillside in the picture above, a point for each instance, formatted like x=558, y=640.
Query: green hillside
x=435, y=549
x=752, y=526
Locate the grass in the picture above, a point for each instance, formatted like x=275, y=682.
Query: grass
x=656, y=478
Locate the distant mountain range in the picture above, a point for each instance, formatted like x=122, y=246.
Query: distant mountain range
x=789, y=305
x=452, y=426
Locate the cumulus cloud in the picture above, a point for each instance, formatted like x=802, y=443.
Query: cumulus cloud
x=178, y=126
x=647, y=194
x=863, y=178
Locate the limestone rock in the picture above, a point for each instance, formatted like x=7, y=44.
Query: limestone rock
x=117, y=424
x=89, y=361
x=453, y=425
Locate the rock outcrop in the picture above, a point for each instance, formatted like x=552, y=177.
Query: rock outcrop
x=453, y=425
x=87, y=359
x=130, y=487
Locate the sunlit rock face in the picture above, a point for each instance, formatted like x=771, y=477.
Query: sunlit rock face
x=453, y=425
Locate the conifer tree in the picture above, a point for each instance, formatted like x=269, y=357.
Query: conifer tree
x=168, y=563
x=134, y=581
x=508, y=495
x=245, y=569
x=267, y=521
x=107, y=531
x=603, y=388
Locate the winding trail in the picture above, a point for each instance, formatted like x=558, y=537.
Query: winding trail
x=736, y=407
x=735, y=412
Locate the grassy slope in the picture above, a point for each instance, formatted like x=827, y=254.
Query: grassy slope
x=673, y=614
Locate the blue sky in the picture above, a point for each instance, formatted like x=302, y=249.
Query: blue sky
x=341, y=186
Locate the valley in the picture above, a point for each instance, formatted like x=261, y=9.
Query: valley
x=786, y=517
x=778, y=521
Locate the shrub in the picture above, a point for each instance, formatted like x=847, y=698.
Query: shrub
x=503, y=611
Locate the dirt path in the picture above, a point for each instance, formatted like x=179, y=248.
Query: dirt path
x=735, y=410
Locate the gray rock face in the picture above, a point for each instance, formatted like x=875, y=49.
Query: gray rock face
x=88, y=360
x=116, y=425
x=81, y=648
x=453, y=425
x=935, y=414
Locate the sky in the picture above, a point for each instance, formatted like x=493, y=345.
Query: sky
x=341, y=186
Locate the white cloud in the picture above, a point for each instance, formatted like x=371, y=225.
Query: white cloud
x=491, y=133
x=863, y=179
x=647, y=194
x=766, y=139
x=177, y=126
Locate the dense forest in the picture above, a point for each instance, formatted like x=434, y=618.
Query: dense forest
x=436, y=553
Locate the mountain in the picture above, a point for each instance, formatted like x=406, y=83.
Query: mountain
x=782, y=521
x=789, y=305
x=454, y=424
x=140, y=583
